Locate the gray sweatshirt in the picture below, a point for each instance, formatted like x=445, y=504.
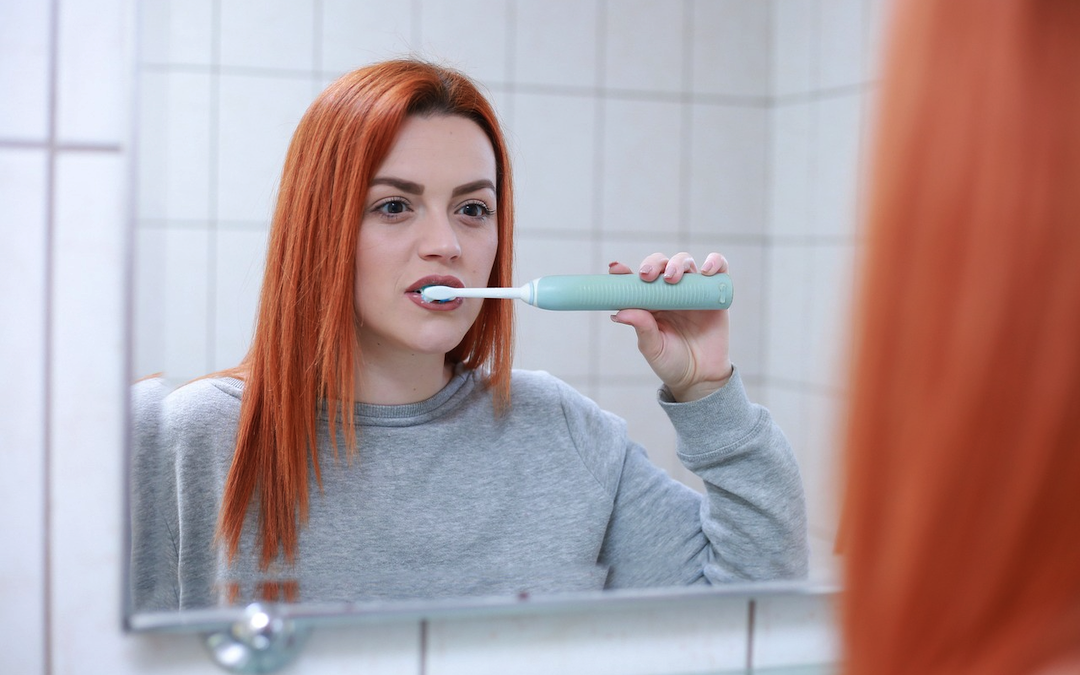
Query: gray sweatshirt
x=446, y=499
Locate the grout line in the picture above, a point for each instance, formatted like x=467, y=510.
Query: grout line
x=423, y=646
x=594, y=380
x=50, y=254
x=51, y=144
x=767, y=210
x=212, y=188
x=686, y=132
x=316, y=40
x=750, y=619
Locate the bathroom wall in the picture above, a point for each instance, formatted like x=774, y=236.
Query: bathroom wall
x=758, y=160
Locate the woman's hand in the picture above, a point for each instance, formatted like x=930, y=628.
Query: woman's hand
x=687, y=349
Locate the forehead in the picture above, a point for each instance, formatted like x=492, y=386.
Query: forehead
x=440, y=145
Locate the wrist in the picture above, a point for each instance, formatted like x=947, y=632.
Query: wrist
x=700, y=389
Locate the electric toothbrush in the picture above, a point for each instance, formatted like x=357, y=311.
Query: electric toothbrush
x=604, y=292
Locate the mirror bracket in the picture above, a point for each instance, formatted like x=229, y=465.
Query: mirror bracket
x=263, y=641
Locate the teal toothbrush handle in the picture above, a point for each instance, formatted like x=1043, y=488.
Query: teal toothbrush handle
x=623, y=291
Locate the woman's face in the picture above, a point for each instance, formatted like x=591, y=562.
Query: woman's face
x=429, y=219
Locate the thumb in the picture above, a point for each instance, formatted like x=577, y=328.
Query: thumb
x=650, y=342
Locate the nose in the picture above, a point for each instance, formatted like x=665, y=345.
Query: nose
x=438, y=239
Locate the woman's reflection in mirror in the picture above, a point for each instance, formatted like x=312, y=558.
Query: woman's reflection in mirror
x=373, y=445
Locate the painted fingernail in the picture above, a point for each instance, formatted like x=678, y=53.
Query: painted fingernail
x=612, y=264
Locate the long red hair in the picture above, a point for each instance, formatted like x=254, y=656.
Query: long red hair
x=305, y=346
x=962, y=513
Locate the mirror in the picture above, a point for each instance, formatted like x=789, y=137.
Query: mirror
x=634, y=128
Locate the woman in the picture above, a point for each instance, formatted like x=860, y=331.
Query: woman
x=375, y=445
x=962, y=518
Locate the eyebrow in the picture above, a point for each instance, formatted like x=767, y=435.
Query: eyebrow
x=401, y=184
x=473, y=187
x=418, y=189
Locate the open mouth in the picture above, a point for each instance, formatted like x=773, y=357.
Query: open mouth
x=427, y=282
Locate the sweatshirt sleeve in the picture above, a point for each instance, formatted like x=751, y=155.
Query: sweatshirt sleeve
x=749, y=526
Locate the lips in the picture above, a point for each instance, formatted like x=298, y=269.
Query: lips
x=435, y=280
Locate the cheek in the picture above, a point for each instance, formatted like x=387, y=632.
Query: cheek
x=486, y=247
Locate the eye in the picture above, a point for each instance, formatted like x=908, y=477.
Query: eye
x=392, y=206
x=476, y=210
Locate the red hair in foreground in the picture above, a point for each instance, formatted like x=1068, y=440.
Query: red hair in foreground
x=962, y=512
x=305, y=349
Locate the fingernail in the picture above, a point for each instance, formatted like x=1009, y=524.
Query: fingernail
x=614, y=318
x=612, y=264
x=708, y=266
x=669, y=273
x=646, y=269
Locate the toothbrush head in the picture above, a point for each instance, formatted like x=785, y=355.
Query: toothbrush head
x=437, y=293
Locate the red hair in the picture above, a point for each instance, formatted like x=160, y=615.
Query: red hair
x=962, y=512
x=305, y=344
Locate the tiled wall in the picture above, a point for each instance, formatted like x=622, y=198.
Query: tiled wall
x=638, y=125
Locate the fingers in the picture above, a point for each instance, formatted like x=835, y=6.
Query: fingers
x=672, y=269
x=618, y=268
x=714, y=264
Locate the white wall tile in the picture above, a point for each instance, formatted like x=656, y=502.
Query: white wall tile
x=829, y=321
x=694, y=636
x=836, y=156
x=358, y=32
x=24, y=70
x=239, y=264
x=87, y=421
x=470, y=35
x=642, y=183
x=555, y=141
x=820, y=461
x=791, y=166
x=185, y=303
x=728, y=159
x=174, y=145
x=148, y=304
x=841, y=38
x=731, y=47
x=176, y=31
x=276, y=34
x=257, y=120
x=794, y=46
x=556, y=42
x=23, y=270
x=795, y=630
x=789, y=302
x=644, y=45
x=562, y=343
x=92, y=98
x=391, y=648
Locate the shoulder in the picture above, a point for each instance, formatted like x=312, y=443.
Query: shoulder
x=538, y=387
x=599, y=437
x=203, y=405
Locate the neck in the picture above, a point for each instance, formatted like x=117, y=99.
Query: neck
x=410, y=379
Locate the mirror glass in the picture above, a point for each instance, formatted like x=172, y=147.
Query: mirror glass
x=634, y=127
